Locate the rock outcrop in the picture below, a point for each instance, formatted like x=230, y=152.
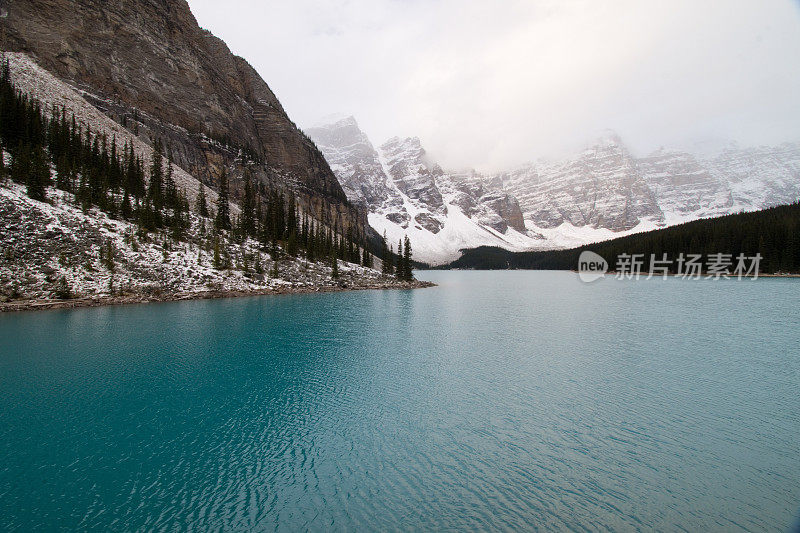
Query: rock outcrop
x=606, y=187
x=353, y=159
x=602, y=187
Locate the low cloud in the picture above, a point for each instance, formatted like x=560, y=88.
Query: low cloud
x=494, y=84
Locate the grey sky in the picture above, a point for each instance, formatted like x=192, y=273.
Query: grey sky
x=490, y=84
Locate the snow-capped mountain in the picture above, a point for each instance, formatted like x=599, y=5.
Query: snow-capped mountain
x=605, y=187
x=601, y=193
x=408, y=194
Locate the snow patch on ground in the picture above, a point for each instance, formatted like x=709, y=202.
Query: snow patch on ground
x=43, y=243
x=567, y=235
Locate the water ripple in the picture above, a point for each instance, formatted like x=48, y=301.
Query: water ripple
x=497, y=401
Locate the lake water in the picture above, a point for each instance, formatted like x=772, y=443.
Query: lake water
x=497, y=400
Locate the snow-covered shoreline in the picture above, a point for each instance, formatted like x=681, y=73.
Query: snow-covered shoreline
x=58, y=252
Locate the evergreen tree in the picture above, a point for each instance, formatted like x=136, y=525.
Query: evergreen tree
x=352, y=256
x=386, y=257
x=62, y=290
x=217, y=259
x=108, y=254
x=399, y=273
x=39, y=174
x=146, y=215
x=408, y=272
x=126, y=210
x=291, y=216
x=156, y=187
x=63, y=174
x=248, y=220
x=114, y=168
x=278, y=217
x=342, y=254
x=335, y=266
x=223, y=220
x=170, y=189
x=311, y=241
x=291, y=244
x=202, y=203
x=259, y=217
x=21, y=163
x=134, y=175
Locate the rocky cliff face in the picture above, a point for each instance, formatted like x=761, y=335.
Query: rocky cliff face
x=684, y=186
x=354, y=160
x=605, y=187
x=602, y=187
x=485, y=201
x=407, y=193
x=758, y=177
x=148, y=65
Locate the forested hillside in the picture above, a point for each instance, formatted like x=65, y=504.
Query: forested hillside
x=89, y=210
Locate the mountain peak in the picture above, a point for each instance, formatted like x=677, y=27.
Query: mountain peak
x=334, y=120
x=608, y=138
x=397, y=144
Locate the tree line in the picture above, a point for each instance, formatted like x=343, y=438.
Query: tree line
x=272, y=217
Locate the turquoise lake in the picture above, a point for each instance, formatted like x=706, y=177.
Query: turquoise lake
x=495, y=401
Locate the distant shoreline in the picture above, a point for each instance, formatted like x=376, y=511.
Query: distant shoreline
x=613, y=273
x=704, y=275
x=104, y=301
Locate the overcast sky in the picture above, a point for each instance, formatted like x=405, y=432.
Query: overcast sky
x=490, y=84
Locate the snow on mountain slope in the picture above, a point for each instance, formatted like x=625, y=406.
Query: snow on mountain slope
x=454, y=231
x=409, y=194
x=684, y=188
x=603, y=188
x=601, y=193
x=354, y=160
x=759, y=177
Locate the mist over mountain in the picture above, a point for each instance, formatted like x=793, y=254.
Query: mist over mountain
x=490, y=85
x=598, y=193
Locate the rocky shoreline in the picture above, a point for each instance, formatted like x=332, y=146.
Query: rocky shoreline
x=102, y=301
